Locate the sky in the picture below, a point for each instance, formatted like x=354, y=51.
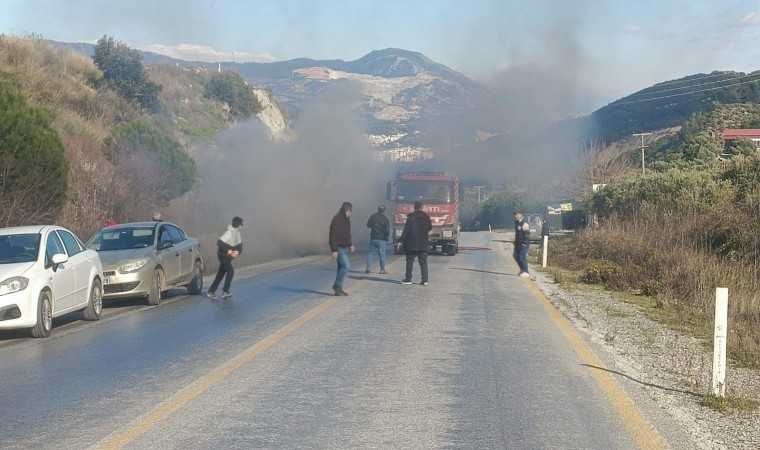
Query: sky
x=608, y=49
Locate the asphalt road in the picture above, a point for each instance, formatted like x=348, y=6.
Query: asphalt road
x=472, y=361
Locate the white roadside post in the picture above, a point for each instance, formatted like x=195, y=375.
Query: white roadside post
x=546, y=247
x=719, y=347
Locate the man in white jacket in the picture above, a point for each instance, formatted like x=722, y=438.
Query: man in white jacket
x=230, y=245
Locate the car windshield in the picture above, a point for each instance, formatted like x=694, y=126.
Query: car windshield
x=427, y=191
x=121, y=238
x=19, y=248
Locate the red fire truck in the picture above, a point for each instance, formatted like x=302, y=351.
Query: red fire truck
x=439, y=193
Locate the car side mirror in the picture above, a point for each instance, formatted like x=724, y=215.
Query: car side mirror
x=58, y=259
x=163, y=245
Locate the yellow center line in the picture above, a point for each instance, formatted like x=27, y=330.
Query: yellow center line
x=187, y=394
x=640, y=429
x=164, y=410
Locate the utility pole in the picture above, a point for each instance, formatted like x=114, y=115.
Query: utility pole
x=478, y=188
x=643, y=172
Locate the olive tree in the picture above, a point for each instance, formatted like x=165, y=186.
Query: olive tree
x=124, y=72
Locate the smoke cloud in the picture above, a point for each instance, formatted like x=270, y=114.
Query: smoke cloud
x=288, y=192
x=534, y=145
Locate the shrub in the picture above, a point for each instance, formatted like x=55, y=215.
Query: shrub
x=33, y=167
x=159, y=169
x=672, y=256
x=671, y=190
x=231, y=88
x=498, y=209
x=601, y=272
x=124, y=72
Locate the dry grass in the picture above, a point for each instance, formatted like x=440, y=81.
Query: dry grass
x=63, y=80
x=669, y=261
x=729, y=403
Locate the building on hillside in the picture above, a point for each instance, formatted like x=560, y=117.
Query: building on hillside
x=731, y=134
x=404, y=154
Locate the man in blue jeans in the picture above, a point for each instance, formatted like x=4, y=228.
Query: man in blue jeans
x=341, y=245
x=522, y=243
x=380, y=231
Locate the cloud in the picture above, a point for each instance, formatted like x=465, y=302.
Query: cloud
x=649, y=34
x=191, y=52
x=751, y=19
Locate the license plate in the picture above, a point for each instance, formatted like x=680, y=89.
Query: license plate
x=106, y=280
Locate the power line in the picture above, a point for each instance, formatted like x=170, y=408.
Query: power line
x=684, y=93
x=695, y=85
x=702, y=77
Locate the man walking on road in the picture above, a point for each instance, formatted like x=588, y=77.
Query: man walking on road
x=415, y=241
x=380, y=231
x=522, y=243
x=229, y=245
x=341, y=245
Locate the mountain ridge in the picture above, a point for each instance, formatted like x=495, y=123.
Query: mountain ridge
x=405, y=92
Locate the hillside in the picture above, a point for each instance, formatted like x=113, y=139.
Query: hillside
x=404, y=93
x=672, y=103
x=685, y=116
x=109, y=175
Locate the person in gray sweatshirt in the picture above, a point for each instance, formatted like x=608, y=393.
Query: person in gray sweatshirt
x=230, y=244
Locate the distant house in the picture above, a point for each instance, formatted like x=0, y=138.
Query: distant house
x=731, y=134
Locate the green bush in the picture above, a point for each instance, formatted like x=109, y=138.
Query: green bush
x=124, y=72
x=157, y=162
x=33, y=167
x=231, y=88
x=671, y=190
x=498, y=209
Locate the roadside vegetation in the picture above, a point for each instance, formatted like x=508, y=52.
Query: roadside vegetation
x=103, y=136
x=691, y=224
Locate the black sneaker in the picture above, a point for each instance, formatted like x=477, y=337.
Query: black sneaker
x=423, y=283
x=406, y=281
x=343, y=293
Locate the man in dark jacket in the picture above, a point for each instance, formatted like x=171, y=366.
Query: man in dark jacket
x=341, y=245
x=415, y=241
x=522, y=243
x=380, y=231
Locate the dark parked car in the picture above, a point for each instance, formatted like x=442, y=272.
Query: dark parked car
x=537, y=223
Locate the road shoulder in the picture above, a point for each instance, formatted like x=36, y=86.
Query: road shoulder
x=665, y=373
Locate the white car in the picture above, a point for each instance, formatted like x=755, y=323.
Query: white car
x=46, y=272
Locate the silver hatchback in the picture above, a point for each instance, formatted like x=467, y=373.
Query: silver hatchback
x=146, y=259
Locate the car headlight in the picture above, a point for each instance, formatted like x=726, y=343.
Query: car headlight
x=448, y=233
x=134, y=265
x=13, y=284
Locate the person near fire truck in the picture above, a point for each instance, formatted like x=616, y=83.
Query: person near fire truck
x=380, y=232
x=341, y=245
x=416, y=243
x=522, y=243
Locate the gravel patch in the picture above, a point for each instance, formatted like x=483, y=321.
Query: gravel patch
x=665, y=373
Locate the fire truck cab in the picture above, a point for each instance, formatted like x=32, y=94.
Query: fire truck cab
x=439, y=193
